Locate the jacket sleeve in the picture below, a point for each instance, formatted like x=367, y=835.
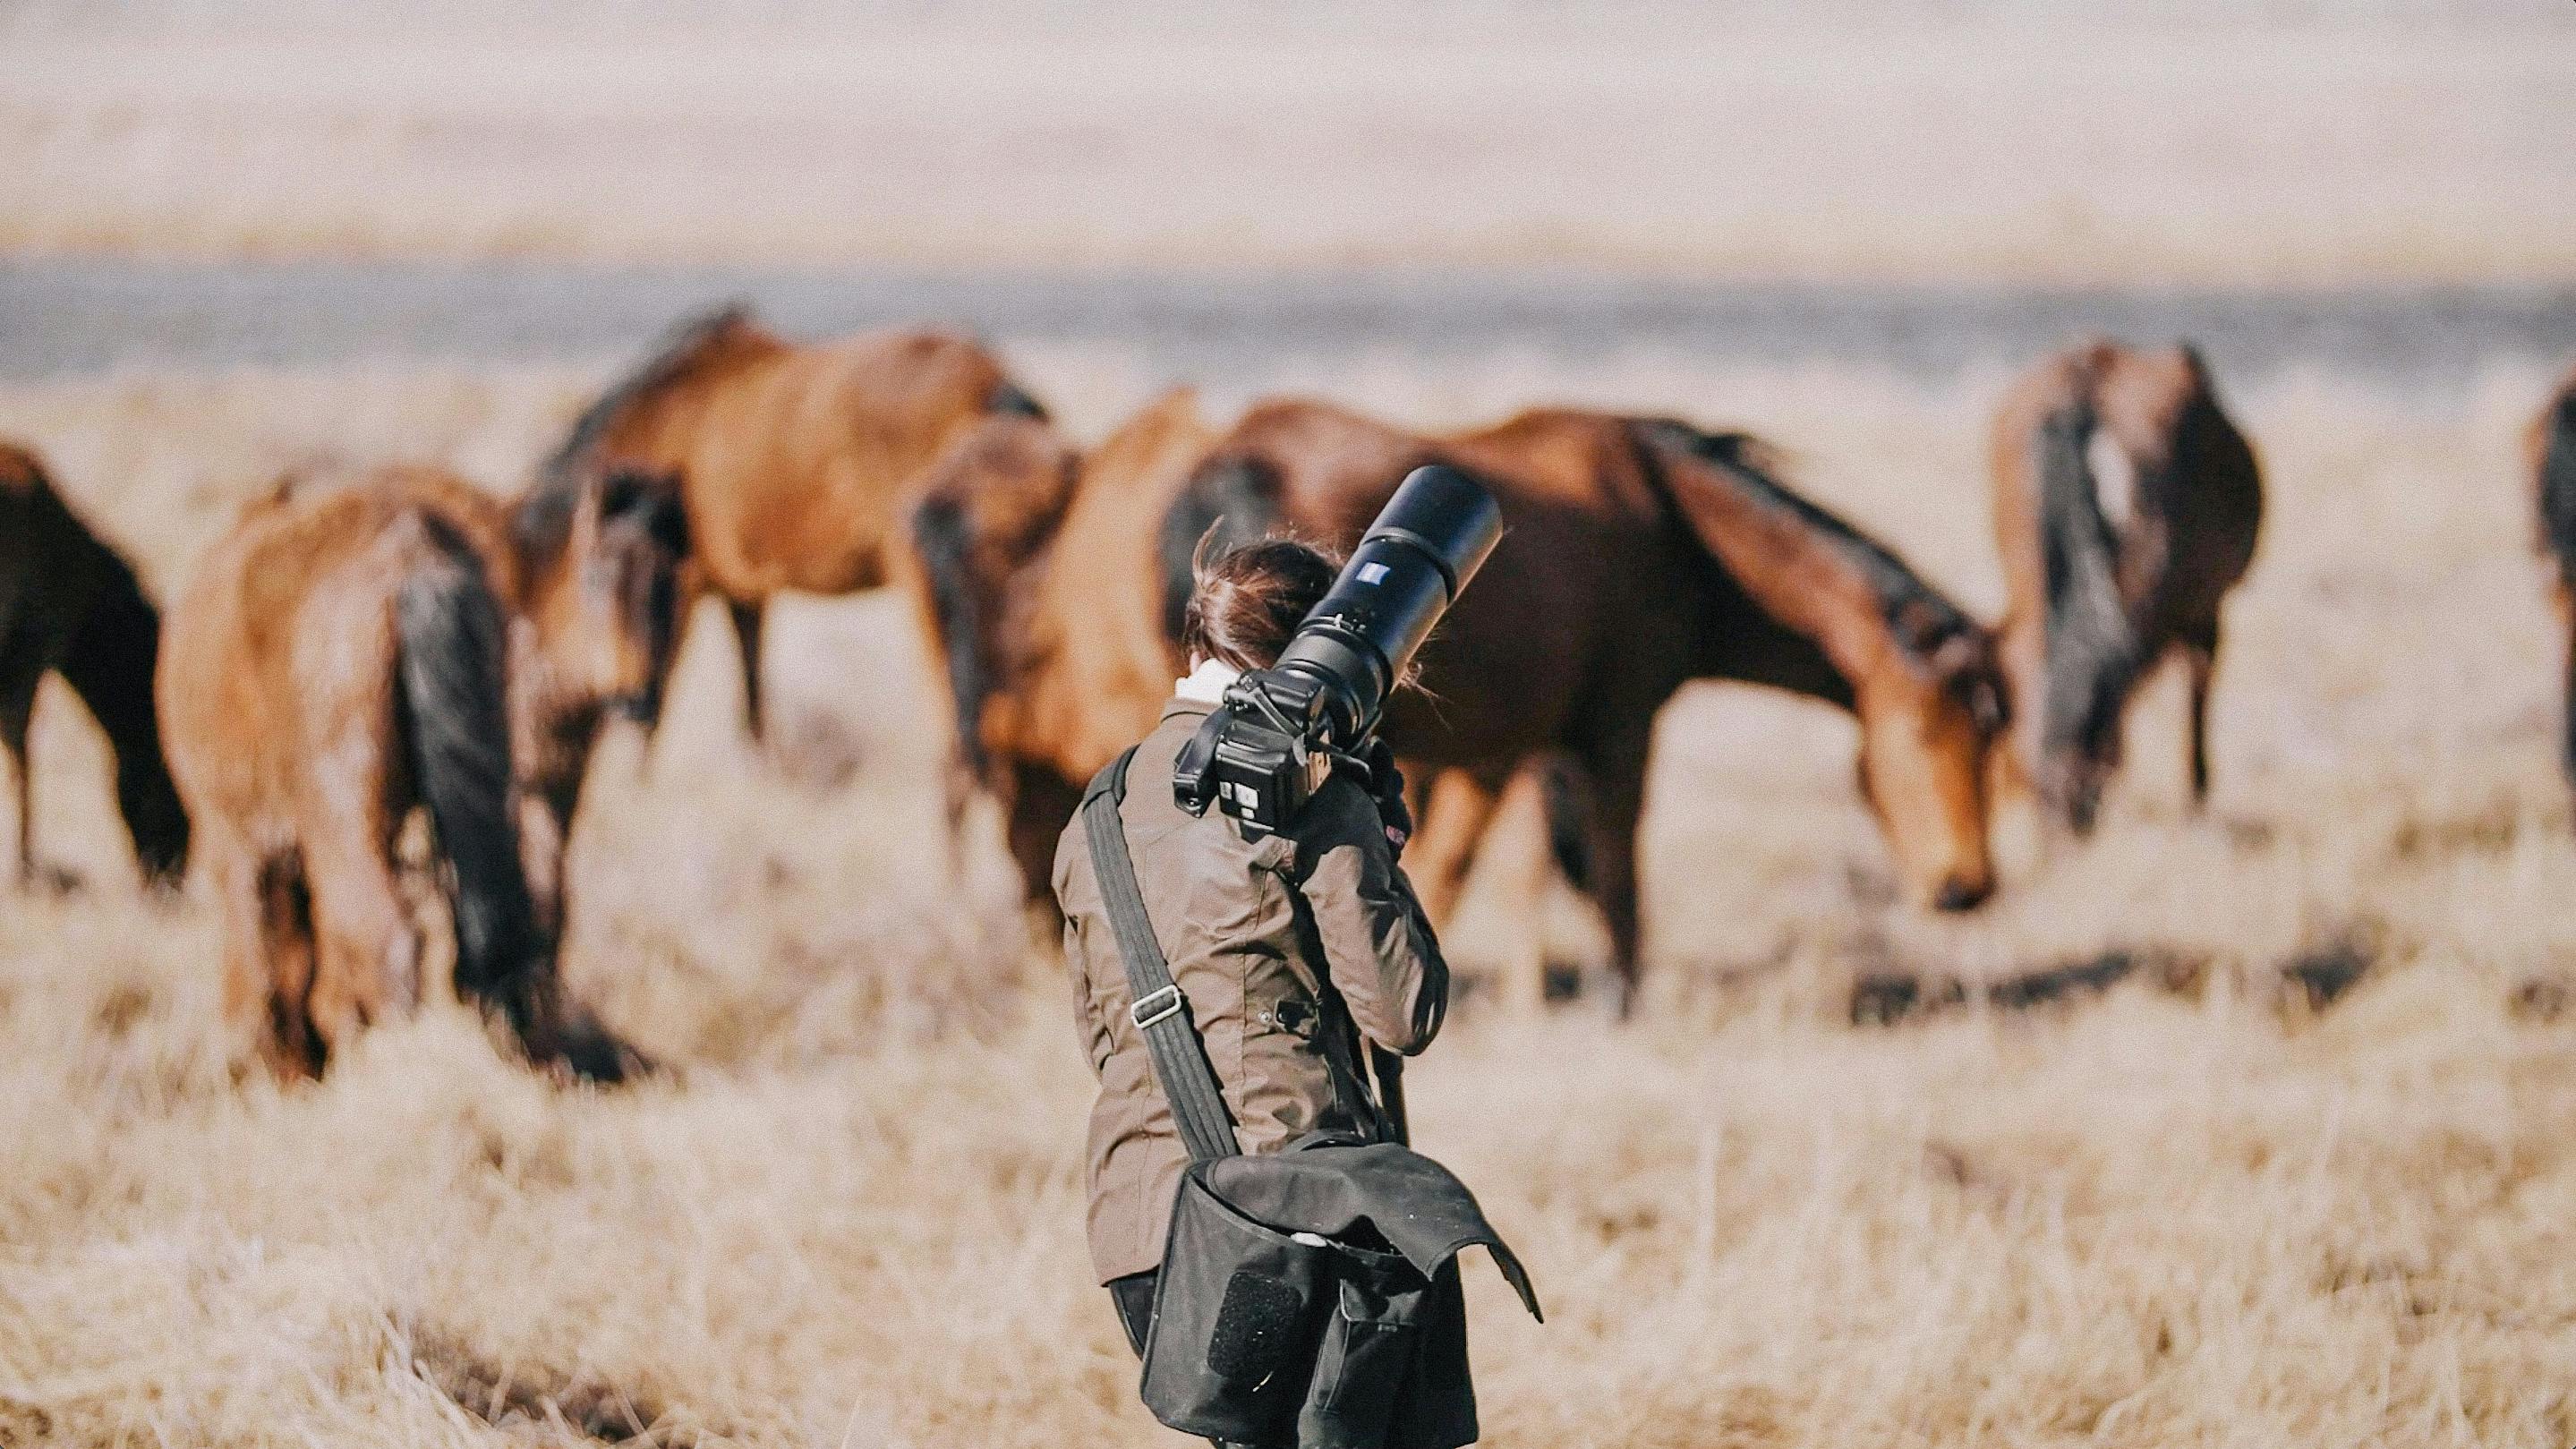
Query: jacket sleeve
x=1378, y=946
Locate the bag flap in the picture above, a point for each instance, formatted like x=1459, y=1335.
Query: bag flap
x=1332, y=1187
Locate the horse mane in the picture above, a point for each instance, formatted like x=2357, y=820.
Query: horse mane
x=1919, y=617
x=2093, y=653
x=2556, y=460
x=544, y=517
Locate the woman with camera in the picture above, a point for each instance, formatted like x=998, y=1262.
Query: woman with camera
x=1295, y=951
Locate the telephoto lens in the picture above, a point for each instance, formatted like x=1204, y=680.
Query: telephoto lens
x=1428, y=542
x=1274, y=740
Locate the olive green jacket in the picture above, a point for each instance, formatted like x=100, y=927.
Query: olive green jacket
x=1289, y=948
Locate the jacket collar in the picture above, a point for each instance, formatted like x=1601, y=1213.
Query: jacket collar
x=1201, y=690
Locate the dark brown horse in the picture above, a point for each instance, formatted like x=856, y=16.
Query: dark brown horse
x=1638, y=554
x=345, y=655
x=2553, y=475
x=71, y=605
x=796, y=463
x=2126, y=506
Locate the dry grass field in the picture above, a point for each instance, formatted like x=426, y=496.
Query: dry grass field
x=2254, y=1129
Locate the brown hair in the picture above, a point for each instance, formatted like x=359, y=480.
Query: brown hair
x=1246, y=601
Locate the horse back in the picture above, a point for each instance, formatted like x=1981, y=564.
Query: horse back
x=796, y=463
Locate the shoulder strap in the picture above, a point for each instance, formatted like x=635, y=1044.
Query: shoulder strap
x=1155, y=1003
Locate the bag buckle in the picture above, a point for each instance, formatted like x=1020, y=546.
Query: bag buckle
x=1157, y=1006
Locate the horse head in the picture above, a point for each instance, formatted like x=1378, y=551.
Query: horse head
x=1930, y=722
x=606, y=602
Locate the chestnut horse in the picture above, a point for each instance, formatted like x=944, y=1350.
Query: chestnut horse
x=70, y=604
x=343, y=656
x=2126, y=506
x=1639, y=554
x=2553, y=474
x=795, y=462
x=1037, y=584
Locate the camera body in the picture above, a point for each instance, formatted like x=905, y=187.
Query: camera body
x=1281, y=731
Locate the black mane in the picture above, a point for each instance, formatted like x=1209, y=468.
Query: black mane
x=1920, y=616
x=545, y=518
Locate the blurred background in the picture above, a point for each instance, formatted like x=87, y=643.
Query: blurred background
x=2283, y=1157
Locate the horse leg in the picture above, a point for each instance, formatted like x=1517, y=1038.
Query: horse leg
x=2200, y=657
x=1042, y=805
x=748, y=616
x=268, y=954
x=1457, y=808
x=19, y=676
x=368, y=963
x=368, y=959
x=546, y=814
x=1617, y=800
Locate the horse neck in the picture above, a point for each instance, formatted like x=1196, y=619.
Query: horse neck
x=1098, y=665
x=1821, y=620
x=110, y=665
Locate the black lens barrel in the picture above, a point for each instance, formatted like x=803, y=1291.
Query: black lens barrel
x=1430, y=539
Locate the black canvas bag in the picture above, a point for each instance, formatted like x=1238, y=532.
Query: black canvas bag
x=1308, y=1297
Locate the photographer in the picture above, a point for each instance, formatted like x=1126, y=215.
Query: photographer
x=1296, y=950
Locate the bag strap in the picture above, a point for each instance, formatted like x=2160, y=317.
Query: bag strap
x=1155, y=1003
x=1390, y=1092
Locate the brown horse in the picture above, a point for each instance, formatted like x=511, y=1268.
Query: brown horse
x=70, y=604
x=1037, y=583
x=2553, y=474
x=795, y=462
x=2126, y=506
x=345, y=655
x=1638, y=554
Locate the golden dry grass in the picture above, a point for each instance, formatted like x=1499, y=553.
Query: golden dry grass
x=2196, y=1208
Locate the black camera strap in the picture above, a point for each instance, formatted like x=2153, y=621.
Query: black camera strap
x=1155, y=1003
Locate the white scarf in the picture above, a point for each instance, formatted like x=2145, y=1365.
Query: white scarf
x=1207, y=683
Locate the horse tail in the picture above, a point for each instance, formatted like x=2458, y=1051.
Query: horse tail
x=1229, y=500
x=451, y=682
x=943, y=538
x=1008, y=397
x=2092, y=650
x=109, y=664
x=2557, y=460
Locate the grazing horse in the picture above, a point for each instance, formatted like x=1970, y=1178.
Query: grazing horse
x=344, y=655
x=795, y=462
x=70, y=604
x=1638, y=554
x=2126, y=506
x=2553, y=472
x=1037, y=584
